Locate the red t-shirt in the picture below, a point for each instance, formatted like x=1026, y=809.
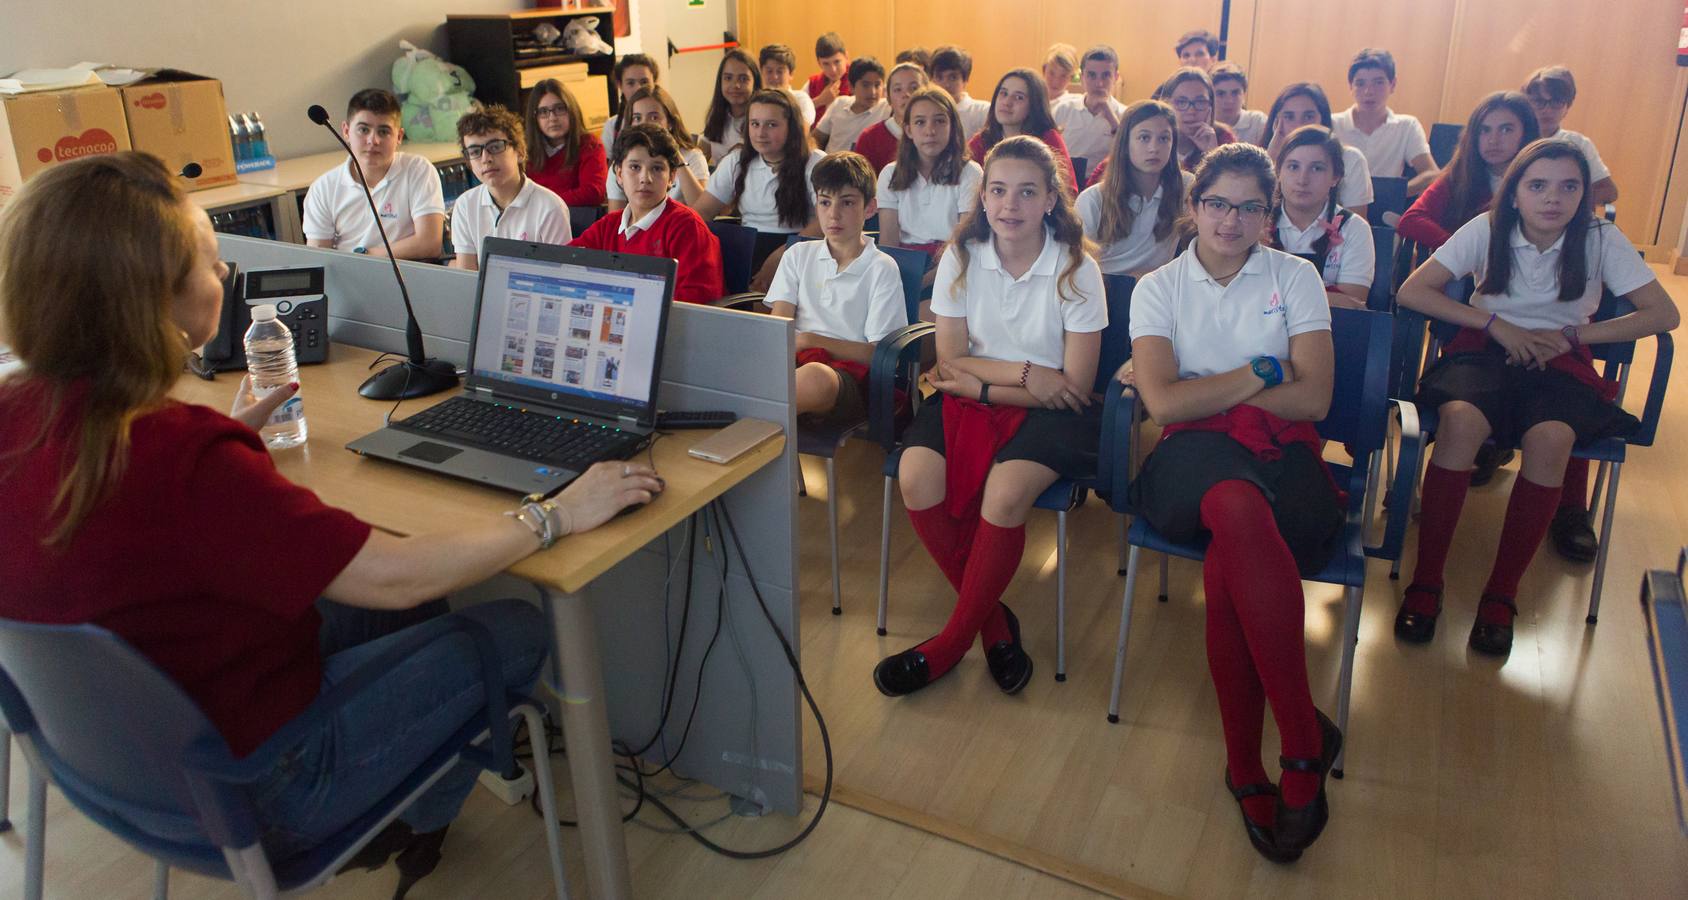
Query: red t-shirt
x=817, y=83
x=976, y=147
x=678, y=234
x=583, y=184
x=878, y=144
x=203, y=557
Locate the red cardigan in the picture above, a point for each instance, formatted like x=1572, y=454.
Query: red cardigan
x=817, y=83
x=879, y=145
x=582, y=184
x=678, y=234
x=1422, y=222
x=977, y=149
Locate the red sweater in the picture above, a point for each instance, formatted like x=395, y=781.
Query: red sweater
x=203, y=557
x=582, y=184
x=879, y=145
x=678, y=234
x=1422, y=222
x=817, y=83
x=977, y=149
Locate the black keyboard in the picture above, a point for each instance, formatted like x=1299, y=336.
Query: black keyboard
x=554, y=440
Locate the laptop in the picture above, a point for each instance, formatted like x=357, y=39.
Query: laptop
x=564, y=362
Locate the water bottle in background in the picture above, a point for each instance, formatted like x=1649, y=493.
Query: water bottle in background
x=270, y=362
x=237, y=137
x=260, y=139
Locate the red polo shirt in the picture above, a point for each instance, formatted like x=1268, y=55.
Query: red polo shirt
x=817, y=83
x=678, y=234
x=583, y=184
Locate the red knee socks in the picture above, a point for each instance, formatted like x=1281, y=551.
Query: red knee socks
x=994, y=559
x=1575, y=493
x=1259, y=579
x=950, y=541
x=1440, y=505
x=1242, y=701
x=1529, y=512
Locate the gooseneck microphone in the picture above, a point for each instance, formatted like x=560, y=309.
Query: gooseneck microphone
x=417, y=376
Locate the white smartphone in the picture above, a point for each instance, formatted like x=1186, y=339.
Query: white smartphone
x=734, y=441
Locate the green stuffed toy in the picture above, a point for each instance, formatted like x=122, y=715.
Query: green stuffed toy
x=434, y=94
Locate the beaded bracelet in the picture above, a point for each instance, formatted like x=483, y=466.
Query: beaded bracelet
x=1490, y=322
x=1025, y=371
x=543, y=520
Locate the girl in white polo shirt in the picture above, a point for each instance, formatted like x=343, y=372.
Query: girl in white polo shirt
x=767, y=179
x=723, y=126
x=1132, y=212
x=932, y=184
x=1519, y=372
x=1305, y=103
x=1232, y=355
x=1020, y=311
x=1310, y=223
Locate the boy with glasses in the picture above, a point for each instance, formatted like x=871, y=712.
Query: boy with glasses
x=1552, y=90
x=506, y=203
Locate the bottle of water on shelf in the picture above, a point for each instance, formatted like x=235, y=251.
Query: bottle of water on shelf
x=237, y=137
x=272, y=365
x=260, y=136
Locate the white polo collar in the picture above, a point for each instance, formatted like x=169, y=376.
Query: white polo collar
x=1198, y=272
x=516, y=202
x=351, y=182
x=628, y=229
x=1519, y=241
x=1045, y=264
x=867, y=250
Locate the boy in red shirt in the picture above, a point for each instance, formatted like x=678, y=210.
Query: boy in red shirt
x=645, y=162
x=833, y=80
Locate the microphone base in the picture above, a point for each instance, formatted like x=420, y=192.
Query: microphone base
x=407, y=380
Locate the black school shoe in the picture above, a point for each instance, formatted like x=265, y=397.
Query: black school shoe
x=1261, y=836
x=418, y=860
x=373, y=855
x=1489, y=460
x=1296, y=829
x=1008, y=662
x=1417, y=628
x=902, y=673
x=1573, y=535
x=1488, y=638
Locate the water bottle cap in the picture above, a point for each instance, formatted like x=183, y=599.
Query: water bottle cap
x=263, y=312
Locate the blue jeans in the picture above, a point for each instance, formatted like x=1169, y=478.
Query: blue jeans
x=380, y=738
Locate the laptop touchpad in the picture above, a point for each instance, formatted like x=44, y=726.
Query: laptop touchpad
x=430, y=452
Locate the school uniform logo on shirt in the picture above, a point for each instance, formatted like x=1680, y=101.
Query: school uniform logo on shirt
x=387, y=210
x=1275, y=306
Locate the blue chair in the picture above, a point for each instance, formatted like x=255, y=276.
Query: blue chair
x=1081, y=171
x=582, y=217
x=738, y=248
x=1382, y=296
x=1358, y=418
x=131, y=751
x=1664, y=608
x=897, y=359
x=1444, y=139
x=1389, y=195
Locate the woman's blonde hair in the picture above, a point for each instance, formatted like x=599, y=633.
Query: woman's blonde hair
x=1062, y=220
x=93, y=254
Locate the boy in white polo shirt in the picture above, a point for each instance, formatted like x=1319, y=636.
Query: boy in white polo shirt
x=845, y=293
x=951, y=69
x=776, y=62
x=844, y=121
x=506, y=204
x=1088, y=120
x=1389, y=140
x=406, y=188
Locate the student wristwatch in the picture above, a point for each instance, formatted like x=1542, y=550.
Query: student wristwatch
x=985, y=393
x=1268, y=369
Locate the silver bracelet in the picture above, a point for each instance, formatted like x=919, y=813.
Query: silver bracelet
x=535, y=521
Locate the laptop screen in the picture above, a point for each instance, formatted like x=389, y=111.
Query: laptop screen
x=582, y=329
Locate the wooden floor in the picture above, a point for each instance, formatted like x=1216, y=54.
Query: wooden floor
x=1542, y=775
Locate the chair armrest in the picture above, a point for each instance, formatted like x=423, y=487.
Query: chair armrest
x=895, y=354
x=749, y=301
x=1654, y=406
x=1406, y=472
x=1119, y=430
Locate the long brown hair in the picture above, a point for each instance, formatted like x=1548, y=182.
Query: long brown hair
x=946, y=169
x=715, y=120
x=1467, y=174
x=1504, y=217
x=536, y=144
x=676, y=125
x=93, y=254
x=1038, y=122
x=791, y=183
x=1117, y=216
x=1063, y=220
x=1307, y=136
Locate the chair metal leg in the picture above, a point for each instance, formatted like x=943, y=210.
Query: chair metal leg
x=1061, y=595
x=35, y=838
x=547, y=798
x=5, y=779
x=1606, y=517
x=1122, y=546
x=884, y=553
x=1124, y=632
x=161, y=880
x=251, y=871
x=1373, y=472
x=1599, y=484
x=802, y=483
x=1355, y=596
x=1166, y=563
x=832, y=530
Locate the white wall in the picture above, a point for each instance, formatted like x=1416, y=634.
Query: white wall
x=275, y=58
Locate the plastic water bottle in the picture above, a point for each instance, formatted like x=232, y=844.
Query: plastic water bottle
x=237, y=137
x=272, y=365
x=260, y=136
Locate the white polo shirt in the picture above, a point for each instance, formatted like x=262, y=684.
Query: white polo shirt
x=1355, y=189
x=843, y=124
x=336, y=211
x=757, y=207
x=694, y=160
x=612, y=126
x=1353, y=261
x=1532, y=292
x=1138, y=251
x=805, y=105
x=731, y=136
x=1597, y=170
x=1250, y=127
x=1025, y=318
x=973, y=114
x=1087, y=135
x=1389, y=149
x=536, y=214
x=927, y=212
x=861, y=302
x=1214, y=328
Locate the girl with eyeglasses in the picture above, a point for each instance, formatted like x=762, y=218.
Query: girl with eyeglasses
x=561, y=154
x=724, y=124
x=1190, y=94
x=1304, y=103
x=1232, y=356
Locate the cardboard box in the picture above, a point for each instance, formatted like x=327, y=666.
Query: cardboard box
x=42, y=128
x=180, y=118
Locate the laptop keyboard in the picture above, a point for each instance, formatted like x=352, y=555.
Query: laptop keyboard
x=553, y=440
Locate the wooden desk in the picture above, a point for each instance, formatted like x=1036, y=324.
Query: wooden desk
x=296, y=174
x=398, y=499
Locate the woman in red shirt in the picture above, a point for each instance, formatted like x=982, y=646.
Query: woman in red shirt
x=169, y=524
x=1021, y=106
x=562, y=154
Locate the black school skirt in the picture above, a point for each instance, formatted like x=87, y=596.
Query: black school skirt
x=1515, y=399
x=1058, y=438
x=1169, y=488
